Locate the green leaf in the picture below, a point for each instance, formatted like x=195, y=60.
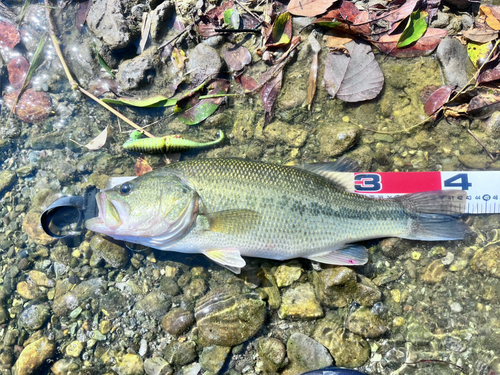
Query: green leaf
x=280, y=35
x=102, y=63
x=151, y=102
x=415, y=28
x=204, y=108
x=35, y=63
x=331, y=24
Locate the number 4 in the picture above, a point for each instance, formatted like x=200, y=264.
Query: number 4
x=464, y=183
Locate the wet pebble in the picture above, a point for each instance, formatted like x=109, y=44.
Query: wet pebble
x=180, y=353
x=228, y=316
x=195, y=289
x=335, y=139
x=365, y=323
x=69, y=301
x=74, y=349
x=452, y=55
x=114, y=304
x=417, y=334
x=34, y=317
x=33, y=228
x=300, y=302
x=7, y=178
x=114, y=255
x=335, y=286
x=177, y=321
x=204, y=61
x=456, y=307
x=305, y=354
x=41, y=279
x=28, y=290
x=487, y=261
x=139, y=71
x=157, y=366
x=347, y=348
x=272, y=352
x=271, y=288
x=192, y=369
x=130, y=364
x=155, y=304
x=287, y=274
x=33, y=356
x=434, y=273
x=213, y=357
x=64, y=366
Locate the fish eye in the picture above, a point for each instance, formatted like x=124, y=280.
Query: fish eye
x=125, y=188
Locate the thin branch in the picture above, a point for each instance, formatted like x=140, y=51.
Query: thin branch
x=249, y=11
x=176, y=37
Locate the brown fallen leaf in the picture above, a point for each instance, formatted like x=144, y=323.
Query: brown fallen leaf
x=18, y=70
x=483, y=35
x=335, y=39
x=313, y=72
x=489, y=75
x=484, y=104
x=81, y=14
x=9, y=35
x=425, y=45
x=32, y=107
x=309, y=8
x=269, y=93
x=236, y=57
x=142, y=167
x=437, y=100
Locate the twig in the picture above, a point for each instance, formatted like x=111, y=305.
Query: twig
x=249, y=11
x=176, y=37
x=237, y=31
x=405, y=130
x=494, y=158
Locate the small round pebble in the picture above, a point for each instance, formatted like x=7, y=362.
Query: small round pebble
x=456, y=307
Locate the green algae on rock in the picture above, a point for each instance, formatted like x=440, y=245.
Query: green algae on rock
x=299, y=302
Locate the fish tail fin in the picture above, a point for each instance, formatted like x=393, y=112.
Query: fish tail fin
x=437, y=215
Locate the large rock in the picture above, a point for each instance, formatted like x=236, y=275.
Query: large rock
x=228, y=316
x=306, y=354
x=204, y=61
x=139, y=71
x=107, y=20
x=453, y=57
x=33, y=356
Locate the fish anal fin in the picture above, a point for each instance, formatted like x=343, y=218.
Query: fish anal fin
x=228, y=258
x=350, y=255
x=339, y=171
x=235, y=222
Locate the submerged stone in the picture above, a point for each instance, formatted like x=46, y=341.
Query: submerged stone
x=34, y=317
x=300, y=302
x=114, y=255
x=487, y=261
x=213, y=357
x=287, y=274
x=306, y=354
x=365, y=323
x=177, y=321
x=180, y=353
x=335, y=287
x=228, y=316
x=272, y=353
x=33, y=356
x=434, y=273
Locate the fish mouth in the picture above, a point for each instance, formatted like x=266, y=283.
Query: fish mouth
x=110, y=214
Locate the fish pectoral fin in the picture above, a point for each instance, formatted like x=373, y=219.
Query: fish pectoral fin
x=350, y=255
x=233, y=221
x=339, y=171
x=228, y=258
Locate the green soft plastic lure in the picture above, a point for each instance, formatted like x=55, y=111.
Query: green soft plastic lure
x=165, y=145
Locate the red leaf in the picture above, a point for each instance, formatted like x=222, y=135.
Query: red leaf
x=32, y=107
x=489, y=75
x=206, y=30
x=9, y=34
x=437, y=99
x=236, y=57
x=81, y=15
x=248, y=83
x=398, y=14
x=309, y=8
x=18, y=70
x=216, y=15
x=269, y=93
x=425, y=45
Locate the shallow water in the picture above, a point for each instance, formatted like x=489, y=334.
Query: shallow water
x=439, y=301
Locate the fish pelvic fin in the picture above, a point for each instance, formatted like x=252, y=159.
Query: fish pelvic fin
x=350, y=255
x=437, y=215
x=227, y=258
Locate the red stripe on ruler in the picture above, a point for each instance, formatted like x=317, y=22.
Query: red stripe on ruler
x=396, y=182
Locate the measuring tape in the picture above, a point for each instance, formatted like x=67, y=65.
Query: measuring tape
x=483, y=188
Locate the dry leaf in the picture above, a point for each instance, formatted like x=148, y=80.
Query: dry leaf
x=142, y=167
x=480, y=35
x=309, y=8
x=492, y=14
x=98, y=141
x=336, y=39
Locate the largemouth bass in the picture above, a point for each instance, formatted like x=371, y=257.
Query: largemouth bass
x=229, y=208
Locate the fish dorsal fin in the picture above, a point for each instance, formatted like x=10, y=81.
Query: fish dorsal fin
x=235, y=222
x=339, y=171
x=228, y=258
x=350, y=255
